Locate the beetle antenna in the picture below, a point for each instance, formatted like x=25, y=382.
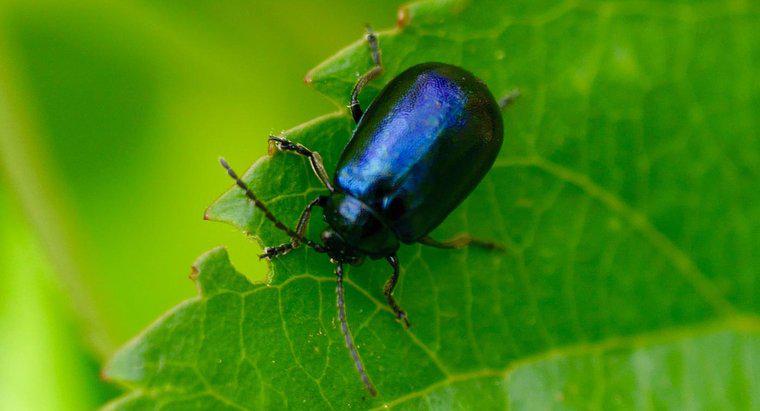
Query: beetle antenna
x=347, y=333
x=268, y=214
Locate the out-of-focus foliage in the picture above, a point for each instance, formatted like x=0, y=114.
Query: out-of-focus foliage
x=626, y=193
x=44, y=365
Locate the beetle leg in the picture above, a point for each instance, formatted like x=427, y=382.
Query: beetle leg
x=317, y=165
x=510, y=98
x=271, y=252
x=461, y=241
x=388, y=291
x=374, y=72
x=295, y=242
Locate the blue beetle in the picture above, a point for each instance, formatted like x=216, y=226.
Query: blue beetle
x=418, y=151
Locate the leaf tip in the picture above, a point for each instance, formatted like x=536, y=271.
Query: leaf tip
x=194, y=272
x=213, y=255
x=403, y=17
x=217, y=255
x=212, y=212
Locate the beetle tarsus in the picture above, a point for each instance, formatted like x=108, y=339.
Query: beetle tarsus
x=510, y=98
x=315, y=160
x=295, y=242
x=272, y=252
x=401, y=316
x=371, y=74
x=390, y=285
x=373, y=46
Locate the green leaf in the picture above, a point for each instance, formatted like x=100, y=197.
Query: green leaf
x=626, y=193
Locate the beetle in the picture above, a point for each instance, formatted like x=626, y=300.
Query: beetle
x=422, y=146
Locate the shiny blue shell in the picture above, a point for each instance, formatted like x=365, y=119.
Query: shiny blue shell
x=421, y=147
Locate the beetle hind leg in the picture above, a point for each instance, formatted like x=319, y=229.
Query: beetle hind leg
x=461, y=241
x=373, y=73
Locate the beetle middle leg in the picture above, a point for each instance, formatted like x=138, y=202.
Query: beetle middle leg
x=388, y=291
x=461, y=241
x=295, y=242
x=317, y=165
x=373, y=73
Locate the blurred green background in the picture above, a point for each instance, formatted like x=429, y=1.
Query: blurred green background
x=112, y=116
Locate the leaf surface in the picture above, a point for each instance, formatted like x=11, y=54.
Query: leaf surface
x=625, y=192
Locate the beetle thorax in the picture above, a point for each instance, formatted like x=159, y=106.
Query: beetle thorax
x=355, y=230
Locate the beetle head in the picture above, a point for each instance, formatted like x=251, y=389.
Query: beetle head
x=355, y=230
x=339, y=250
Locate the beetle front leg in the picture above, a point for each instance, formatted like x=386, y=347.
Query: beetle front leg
x=317, y=165
x=388, y=291
x=373, y=73
x=461, y=241
x=303, y=223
